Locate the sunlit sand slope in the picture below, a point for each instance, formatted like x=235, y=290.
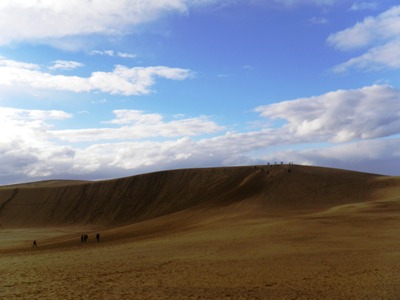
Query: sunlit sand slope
x=132, y=199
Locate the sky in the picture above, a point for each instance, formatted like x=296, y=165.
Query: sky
x=100, y=89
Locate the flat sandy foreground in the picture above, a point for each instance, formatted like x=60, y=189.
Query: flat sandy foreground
x=346, y=252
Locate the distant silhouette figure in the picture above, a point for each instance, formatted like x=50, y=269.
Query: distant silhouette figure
x=34, y=244
x=98, y=237
x=85, y=237
x=82, y=238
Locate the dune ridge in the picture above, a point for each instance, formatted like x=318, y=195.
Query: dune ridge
x=137, y=198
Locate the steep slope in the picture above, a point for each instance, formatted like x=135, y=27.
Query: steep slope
x=128, y=200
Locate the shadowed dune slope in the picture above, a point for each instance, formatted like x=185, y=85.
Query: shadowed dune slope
x=137, y=198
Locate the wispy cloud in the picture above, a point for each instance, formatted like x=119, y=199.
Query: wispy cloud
x=364, y=6
x=306, y=2
x=112, y=53
x=66, y=65
x=318, y=20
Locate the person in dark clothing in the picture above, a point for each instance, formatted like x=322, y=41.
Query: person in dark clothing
x=98, y=237
x=34, y=244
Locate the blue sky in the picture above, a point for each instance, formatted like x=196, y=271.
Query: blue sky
x=105, y=89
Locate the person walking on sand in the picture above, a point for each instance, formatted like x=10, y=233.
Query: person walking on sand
x=98, y=237
x=34, y=244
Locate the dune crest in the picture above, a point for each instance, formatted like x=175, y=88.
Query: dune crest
x=127, y=200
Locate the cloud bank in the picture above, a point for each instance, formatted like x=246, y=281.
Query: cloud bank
x=356, y=129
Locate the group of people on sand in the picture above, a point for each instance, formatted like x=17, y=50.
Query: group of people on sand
x=85, y=237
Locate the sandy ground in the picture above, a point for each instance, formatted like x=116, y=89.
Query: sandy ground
x=346, y=252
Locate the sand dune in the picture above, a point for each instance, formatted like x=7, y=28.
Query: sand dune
x=128, y=200
x=257, y=232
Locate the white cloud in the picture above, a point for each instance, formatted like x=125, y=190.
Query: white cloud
x=136, y=124
x=66, y=65
x=59, y=23
x=384, y=27
x=340, y=116
x=40, y=20
x=125, y=55
x=385, y=56
x=363, y=124
x=12, y=64
x=122, y=80
x=112, y=53
x=380, y=35
x=28, y=125
x=102, y=52
x=30, y=148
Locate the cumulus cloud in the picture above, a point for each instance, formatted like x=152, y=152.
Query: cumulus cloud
x=27, y=124
x=378, y=35
x=26, y=150
x=353, y=129
x=340, y=116
x=30, y=148
x=122, y=80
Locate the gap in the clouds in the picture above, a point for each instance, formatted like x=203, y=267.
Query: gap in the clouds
x=232, y=66
x=391, y=137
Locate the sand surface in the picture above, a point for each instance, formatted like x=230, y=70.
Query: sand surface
x=241, y=250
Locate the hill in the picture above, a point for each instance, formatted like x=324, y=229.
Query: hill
x=256, y=232
x=128, y=200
